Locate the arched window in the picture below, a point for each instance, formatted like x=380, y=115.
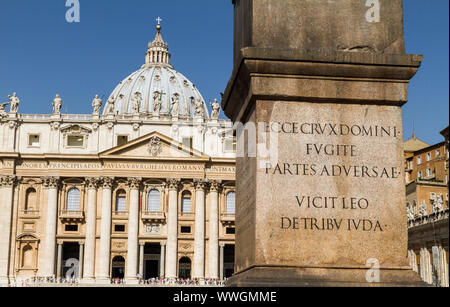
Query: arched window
x=31, y=200
x=73, y=200
x=154, y=199
x=121, y=201
x=231, y=203
x=186, y=202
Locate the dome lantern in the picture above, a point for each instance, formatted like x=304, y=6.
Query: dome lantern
x=158, y=50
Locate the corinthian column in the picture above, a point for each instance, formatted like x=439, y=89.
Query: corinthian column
x=7, y=188
x=199, y=234
x=133, y=232
x=105, y=233
x=213, y=248
x=91, y=221
x=48, y=267
x=172, y=229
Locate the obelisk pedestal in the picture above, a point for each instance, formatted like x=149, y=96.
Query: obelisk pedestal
x=324, y=204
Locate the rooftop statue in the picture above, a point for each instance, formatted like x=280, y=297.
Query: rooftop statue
x=15, y=101
x=57, y=104
x=97, y=105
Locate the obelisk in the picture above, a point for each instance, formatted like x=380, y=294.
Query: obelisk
x=316, y=96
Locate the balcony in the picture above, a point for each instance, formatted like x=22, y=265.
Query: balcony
x=153, y=217
x=228, y=218
x=71, y=216
x=120, y=215
x=29, y=214
x=186, y=216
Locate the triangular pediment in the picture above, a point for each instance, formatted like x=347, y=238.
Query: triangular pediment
x=153, y=146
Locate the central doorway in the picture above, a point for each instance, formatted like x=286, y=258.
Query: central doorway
x=118, y=268
x=152, y=258
x=70, y=261
x=185, y=268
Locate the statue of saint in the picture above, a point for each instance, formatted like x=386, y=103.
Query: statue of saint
x=57, y=104
x=409, y=213
x=215, y=110
x=175, y=108
x=111, y=106
x=137, y=103
x=97, y=105
x=438, y=205
x=14, y=101
x=423, y=209
x=2, y=109
x=157, y=102
x=199, y=108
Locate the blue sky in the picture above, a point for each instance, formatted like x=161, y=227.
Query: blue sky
x=41, y=54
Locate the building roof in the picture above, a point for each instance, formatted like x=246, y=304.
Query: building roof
x=414, y=144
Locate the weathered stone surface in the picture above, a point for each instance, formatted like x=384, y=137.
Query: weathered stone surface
x=344, y=25
x=329, y=201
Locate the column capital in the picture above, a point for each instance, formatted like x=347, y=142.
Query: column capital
x=222, y=245
x=8, y=181
x=173, y=183
x=215, y=186
x=51, y=182
x=142, y=244
x=200, y=184
x=163, y=243
x=92, y=183
x=107, y=182
x=134, y=183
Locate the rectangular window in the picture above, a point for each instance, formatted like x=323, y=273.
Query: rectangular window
x=188, y=142
x=438, y=153
x=33, y=140
x=231, y=230
x=121, y=205
x=429, y=156
x=71, y=228
x=186, y=229
x=230, y=145
x=186, y=205
x=429, y=172
x=75, y=141
x=419, y=160
x=119, y=228
x=419, y=175
x=122, y=139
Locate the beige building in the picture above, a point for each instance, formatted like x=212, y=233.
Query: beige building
x=144, y=189
x=428, y=209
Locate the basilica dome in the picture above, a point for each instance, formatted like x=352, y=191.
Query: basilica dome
x=154, y=88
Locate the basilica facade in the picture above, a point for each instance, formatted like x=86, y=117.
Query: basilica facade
x=144, y=187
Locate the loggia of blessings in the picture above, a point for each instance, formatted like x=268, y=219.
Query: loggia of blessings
x=356, y=171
